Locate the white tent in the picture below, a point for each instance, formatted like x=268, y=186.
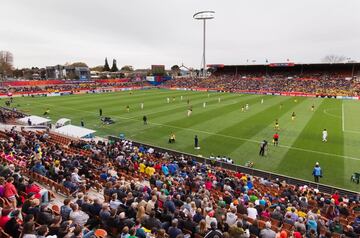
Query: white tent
x=35, y=120
x=62, y=122
x=75, y=131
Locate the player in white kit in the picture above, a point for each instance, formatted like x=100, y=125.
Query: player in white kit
x=204, y=104
x=142, y=105
x=324, y=135
x=168, y=100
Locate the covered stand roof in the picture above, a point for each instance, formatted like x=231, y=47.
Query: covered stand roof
x=35, y=120
x=75, y=131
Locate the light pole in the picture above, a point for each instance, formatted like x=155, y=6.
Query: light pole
x=204, y=15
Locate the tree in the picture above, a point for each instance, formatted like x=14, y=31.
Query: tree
x=98, y=68
x=18, y=73
x=334, y=59
x=79, y=64
x=106, y=66
x=127, y=68
x=175, y=69
x=6, y=61
x=114, y=67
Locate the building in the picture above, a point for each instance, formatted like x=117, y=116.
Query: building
x=67, y=72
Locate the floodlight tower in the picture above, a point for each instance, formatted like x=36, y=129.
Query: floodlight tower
x=204, y=15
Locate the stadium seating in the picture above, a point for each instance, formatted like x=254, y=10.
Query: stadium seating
x=136, y=176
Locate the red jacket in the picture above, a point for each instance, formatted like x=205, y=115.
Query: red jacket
x=33, y=189
x=10, y=190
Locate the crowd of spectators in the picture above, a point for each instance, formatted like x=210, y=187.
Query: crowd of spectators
x=70, y=87
x=316, y=83
x=8, y=116
x=155, y=194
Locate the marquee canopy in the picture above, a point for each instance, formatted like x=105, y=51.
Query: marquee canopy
x=75, y=131
x=35, y=120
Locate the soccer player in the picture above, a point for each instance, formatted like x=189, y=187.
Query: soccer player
x=324, y=135
x=172, y=138
x=281, y=105
x=242, y=109
x=276, y=127
x=47, y=112
x=262, y=101
x=219, y=99
x=204, y=104
x=312, y=108
x=181, y=98
x=168, y=100
x=293, y=116
x=196, y=143
x=145, y=120
x=174, y=99
x=128, y=108
x=276, y=139
x=142, y=106
x=189, y=111
x=82, y=123
x=188, y=101
x=295, y=100
x=247, y=107
x=100, y=112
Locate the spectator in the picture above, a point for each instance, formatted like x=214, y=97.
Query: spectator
x=267, y=232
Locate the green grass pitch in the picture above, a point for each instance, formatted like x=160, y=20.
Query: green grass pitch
x=223, y=129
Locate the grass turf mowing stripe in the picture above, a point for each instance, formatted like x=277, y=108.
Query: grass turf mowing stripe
x=288, y=132
x=301, y=164
x=350, y=112
x=227, y=120
x=198, y=116
x=247, y=128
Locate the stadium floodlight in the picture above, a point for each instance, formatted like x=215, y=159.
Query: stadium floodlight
x=204, y=15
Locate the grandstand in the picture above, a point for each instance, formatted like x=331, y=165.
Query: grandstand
x=119, y=187
x=313, y=79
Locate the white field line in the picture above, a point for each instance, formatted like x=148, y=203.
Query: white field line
x=222, y=135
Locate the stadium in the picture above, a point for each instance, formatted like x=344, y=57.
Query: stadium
x=226, y=150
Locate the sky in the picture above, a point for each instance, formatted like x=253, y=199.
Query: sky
x=145, y=32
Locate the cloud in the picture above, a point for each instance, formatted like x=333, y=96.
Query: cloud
x=141, y=32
